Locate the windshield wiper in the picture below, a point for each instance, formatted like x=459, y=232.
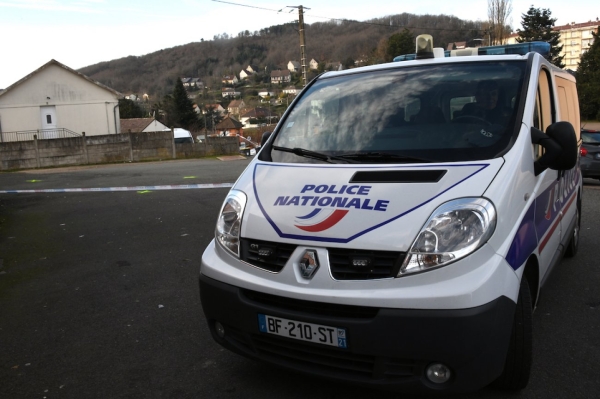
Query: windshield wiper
x=383, y=156
x=312, y=154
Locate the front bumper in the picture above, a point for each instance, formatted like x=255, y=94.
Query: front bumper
x=387, y=348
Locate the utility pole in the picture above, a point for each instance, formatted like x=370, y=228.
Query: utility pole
x=302, y=40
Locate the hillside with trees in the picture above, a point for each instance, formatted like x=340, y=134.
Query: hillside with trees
x=271, y=48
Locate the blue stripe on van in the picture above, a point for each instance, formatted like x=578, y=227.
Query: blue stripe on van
x=525, y=241
x=541, y=220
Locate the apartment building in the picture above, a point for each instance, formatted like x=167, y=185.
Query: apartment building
x=576, y=39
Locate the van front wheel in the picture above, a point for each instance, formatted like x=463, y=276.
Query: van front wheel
x=517, y=366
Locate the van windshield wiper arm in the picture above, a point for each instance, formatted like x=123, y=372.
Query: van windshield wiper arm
x=383, y=156
x=312, y=154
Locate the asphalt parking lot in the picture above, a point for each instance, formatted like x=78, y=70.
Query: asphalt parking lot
x=99, y=294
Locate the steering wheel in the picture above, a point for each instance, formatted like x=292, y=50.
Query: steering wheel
x=470, y=119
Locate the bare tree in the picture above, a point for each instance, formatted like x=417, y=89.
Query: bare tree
x=498, y=14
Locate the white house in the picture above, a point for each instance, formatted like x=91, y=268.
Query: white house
x=192, y=83
x=244, y=74
x=229, y=92
x=236, y=106
x=56, y=97
x=281, y=76
x=313, y=64
x=293, y=66
x=291, y=90
x=230, y=80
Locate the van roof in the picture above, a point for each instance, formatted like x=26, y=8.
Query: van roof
x=431, y=61
x=179, y=132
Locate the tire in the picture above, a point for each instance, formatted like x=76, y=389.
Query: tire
x=517, y=366
x=573, y=244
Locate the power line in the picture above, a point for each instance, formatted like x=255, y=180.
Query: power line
x=246, y=5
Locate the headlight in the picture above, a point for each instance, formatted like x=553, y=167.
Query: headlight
x=454, y=230
x=230, y=221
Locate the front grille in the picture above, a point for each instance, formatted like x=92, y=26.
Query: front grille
x=323, y=360
x=271, y=256
x=310, y=307
x=351, y=264
x=345, y=264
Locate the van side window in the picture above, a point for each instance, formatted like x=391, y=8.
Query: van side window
x=545, y=97
x=543, y=115
x=569, y=105
x=537, y=122
x=565, y=112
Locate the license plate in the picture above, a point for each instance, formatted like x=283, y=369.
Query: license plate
x=302, y=331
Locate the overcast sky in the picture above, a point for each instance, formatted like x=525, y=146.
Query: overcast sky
x=79, y=33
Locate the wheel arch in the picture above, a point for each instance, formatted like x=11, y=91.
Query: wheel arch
x=532, y=272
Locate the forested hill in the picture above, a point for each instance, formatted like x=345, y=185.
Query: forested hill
x=271, y=49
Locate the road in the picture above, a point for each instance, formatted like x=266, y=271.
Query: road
x=99, y=294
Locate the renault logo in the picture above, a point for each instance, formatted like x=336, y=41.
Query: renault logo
x=309, y=263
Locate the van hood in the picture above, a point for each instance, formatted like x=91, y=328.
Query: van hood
x=372, y=207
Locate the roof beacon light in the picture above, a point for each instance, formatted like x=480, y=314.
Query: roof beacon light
x=424, y=47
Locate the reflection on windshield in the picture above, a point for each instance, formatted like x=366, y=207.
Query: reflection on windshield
x=453, y=112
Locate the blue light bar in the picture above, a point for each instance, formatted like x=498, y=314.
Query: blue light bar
x=520, y=48
x=542, y=48
x=405, y=57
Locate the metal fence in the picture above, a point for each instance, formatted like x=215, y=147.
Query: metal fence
x=42, y=134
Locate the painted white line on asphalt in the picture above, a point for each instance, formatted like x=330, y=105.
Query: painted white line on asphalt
x=133, y=188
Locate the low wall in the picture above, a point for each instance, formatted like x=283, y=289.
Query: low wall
x=125, y=147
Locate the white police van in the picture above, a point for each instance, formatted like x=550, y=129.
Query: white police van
x=385, y=236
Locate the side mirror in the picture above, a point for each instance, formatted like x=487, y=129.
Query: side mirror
x=560, y=145
x=264, y=138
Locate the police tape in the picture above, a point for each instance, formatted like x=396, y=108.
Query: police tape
x=113, y=189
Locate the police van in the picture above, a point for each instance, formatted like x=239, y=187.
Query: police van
x=398, y=225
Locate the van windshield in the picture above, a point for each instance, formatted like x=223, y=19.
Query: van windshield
x=430, y=113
